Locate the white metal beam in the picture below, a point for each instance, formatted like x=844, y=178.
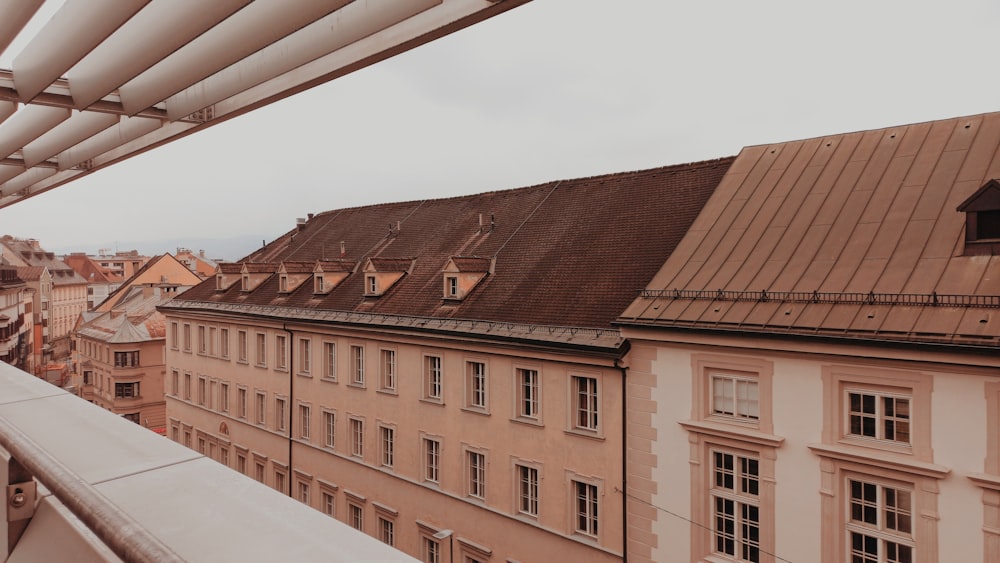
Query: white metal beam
x=78, y=27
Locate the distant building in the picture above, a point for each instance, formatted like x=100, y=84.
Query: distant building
x=440, y=365
x=121, y=365
x=61, y=302
x=101, y=281
x=15, y=320
x=39, y=283
x=123, y=264
x=198, y=263
x=815, y=372
x=163, y=269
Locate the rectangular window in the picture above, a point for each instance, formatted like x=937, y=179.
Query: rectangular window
x=224, y=397
x=241, y=463
x=387, y=438
x=224, y=343
x=356, y=517
x=202, y=390
x=187, y=386
x=527, y=490
x=241, y=402
x=735, y=396
x=880, y=524
x=175, y=384
x=432, y=378
x=878, y=416
x=475, y=385
x=585, y=403
x=329, y=428
x=477, y=474
x=386, y=531
x=279, y=480
x=280, y=416
x=241, y=346
x=258, y=471
x=388, y=369
x=432, y=460
x=330, y=360
x=280, y=352
x=527, y=393
x=735, y=502
x=357, y=437
x=126, y=359
x=261, y=349
x=327, y=503
x=305, y=416
x=357, y=365
x=432, y=550
x=586, y=508
x=303, y=492
x=211, y=340
x=261, y=408
x=174, y=336
x=187, y=337
x=202, y=346
x=305, y=355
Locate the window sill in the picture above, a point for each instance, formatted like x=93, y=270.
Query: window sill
x=390, y=392
x=360, y=386
x=733, y=432
x=476, y=410
x=584, y=433
x=537, y=423
x=435, y=402
x=304, y=374
x=328, y=379
x=877, y=458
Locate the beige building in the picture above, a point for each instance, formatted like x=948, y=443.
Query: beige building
x=15, y=319
x=101, y=282
x=441, y=374
x=162, y=269
x=121, y=356
x=814, y=372
x=61, y=301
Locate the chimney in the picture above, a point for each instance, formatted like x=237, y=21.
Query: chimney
x=300, y=223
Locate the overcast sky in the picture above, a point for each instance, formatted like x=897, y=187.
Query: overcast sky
x=553, y=89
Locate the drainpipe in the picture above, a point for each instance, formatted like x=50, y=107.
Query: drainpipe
x=291, y=400
x=624, y=371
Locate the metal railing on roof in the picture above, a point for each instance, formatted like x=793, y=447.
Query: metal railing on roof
x=836, y=298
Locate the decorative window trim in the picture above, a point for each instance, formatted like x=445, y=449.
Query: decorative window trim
x=477, y=400
x=837, y=380
x=702, y=445
x=517, y=492
x=704, y=366
x=428, y=385
x=573, y=425
x=527, y=407
x=571, y=479
x=836, y=472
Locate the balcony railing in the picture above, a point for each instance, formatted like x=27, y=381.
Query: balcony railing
x=86, y=485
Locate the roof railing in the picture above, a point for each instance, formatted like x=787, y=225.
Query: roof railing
x=836, y=298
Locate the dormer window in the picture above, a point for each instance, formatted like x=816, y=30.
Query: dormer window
x=283, y=283
x=381, y=274
x=318, y=284
x=982, y=220
x=245, y=282
x=463, y=273
x=219, y=283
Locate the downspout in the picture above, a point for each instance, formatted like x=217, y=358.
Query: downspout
x=624, y=371
x=291, y=401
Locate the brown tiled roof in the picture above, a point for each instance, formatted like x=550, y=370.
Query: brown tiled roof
x=471, y=263
x=329, y=266
x=570, y=252
x=30, y=273
x=230, y=268
x=90, y=270
x=392, y=264
x=855, y=235
x=298, y=267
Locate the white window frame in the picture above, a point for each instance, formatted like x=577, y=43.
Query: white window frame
x=433, y=387
x=586, y=403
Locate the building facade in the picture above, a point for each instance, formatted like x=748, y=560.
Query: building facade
x=448, y=383
x=121, y=356
x=814, y=373
x=15, y=319
x=61, y=302
x=101, y=282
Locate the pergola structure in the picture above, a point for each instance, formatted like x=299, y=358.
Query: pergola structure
x=104, y=80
